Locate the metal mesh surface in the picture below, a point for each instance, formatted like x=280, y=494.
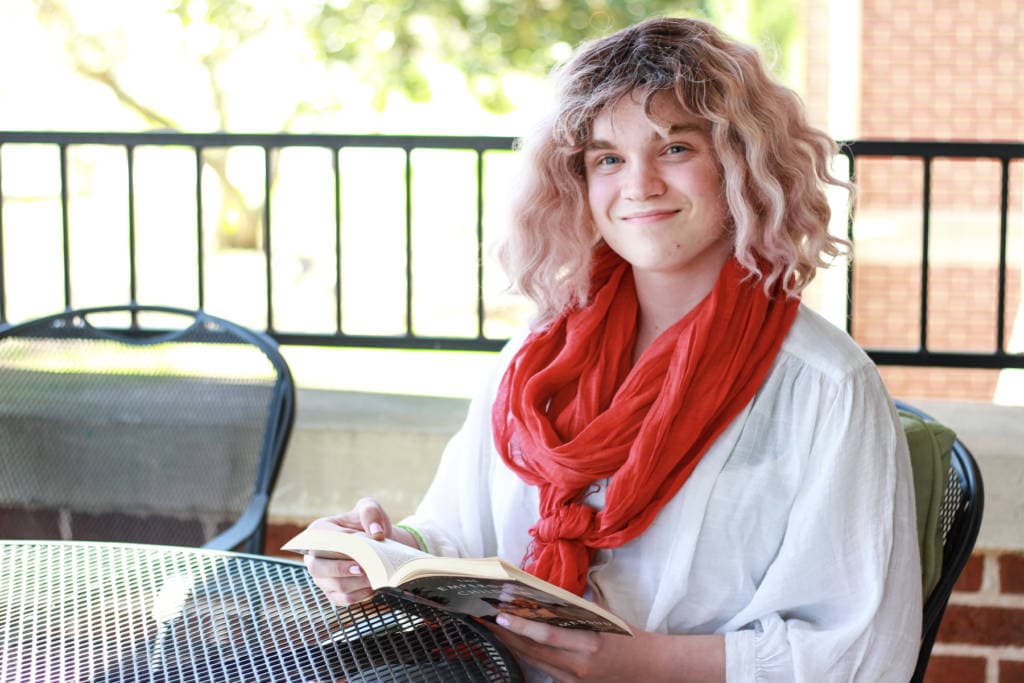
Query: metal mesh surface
x=74, y=611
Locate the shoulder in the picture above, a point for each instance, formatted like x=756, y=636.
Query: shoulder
x=821, y=366
x=824, y=396
x=820, y=347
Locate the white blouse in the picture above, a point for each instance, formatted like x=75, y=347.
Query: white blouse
x=794, y=536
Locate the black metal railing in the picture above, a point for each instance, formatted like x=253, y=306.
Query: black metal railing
x=927, y=152
x=409, y=337
x=269, y=144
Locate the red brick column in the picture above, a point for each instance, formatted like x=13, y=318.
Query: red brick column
x=982, y=634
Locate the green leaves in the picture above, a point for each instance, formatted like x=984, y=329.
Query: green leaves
x=391, y=44
x=486, y=39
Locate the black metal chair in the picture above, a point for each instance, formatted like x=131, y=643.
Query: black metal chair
x=959, y=520
x=137, y=423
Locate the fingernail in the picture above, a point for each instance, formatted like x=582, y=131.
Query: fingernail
x=502, y=620
x=355, y=569
x=376, y=529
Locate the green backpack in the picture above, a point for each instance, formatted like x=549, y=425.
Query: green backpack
x=931, y=445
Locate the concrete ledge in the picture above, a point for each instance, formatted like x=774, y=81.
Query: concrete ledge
x=347, y=445
x=995, y=436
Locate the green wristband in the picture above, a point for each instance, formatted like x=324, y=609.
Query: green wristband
x=415, y=534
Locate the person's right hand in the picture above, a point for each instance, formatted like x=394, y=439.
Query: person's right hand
x=343, y=581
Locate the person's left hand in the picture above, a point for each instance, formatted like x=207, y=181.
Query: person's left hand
x=570, y=654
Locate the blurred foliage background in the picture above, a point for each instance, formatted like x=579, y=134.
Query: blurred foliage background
x=317, y=56
x=333, y=66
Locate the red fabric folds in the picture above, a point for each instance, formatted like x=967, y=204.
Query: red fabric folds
x=572, y=408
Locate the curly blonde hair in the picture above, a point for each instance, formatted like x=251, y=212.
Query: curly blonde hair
x=775, y=166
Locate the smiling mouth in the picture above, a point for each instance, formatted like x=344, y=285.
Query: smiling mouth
x=649, y=216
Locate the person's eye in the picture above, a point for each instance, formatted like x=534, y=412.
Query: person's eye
x=605, y=162
x=677, y=148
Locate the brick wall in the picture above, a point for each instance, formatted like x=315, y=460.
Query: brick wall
x=940, y=70
x=136, y=526
x=961, y=317
x=982, y=634
x=277, y=534
x=815, y=20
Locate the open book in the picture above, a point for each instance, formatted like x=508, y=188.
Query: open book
x=479, y=587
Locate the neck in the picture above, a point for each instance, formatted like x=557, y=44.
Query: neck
x=664, y=298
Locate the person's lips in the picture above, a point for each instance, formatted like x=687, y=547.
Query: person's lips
x=648, y=216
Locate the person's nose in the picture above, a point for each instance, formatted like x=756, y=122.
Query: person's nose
x=642, y=182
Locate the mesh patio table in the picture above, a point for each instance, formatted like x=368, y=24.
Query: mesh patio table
x=104, y=612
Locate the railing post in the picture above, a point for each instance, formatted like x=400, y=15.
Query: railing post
x=200, y=244
x=926, y=218
x=849, y=235
x=64, y=224
x=1004, y=210
x=336, y=168
x=132, y=274
x=408, y=241
x=3, y=283
x=480, y=312
x=267, y=187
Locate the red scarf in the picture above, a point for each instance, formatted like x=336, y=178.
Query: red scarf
x=573, y=409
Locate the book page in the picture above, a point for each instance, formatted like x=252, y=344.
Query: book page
x=392, y=553
x=379, y=559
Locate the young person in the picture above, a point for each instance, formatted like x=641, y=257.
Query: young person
x=677, y=437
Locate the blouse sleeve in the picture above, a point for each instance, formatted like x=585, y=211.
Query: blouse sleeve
x=842, y=599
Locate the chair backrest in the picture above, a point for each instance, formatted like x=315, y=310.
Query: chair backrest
x=141, y=423
x=959, y=519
